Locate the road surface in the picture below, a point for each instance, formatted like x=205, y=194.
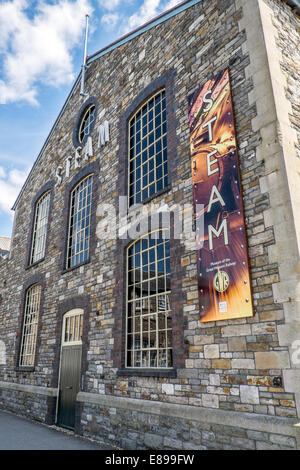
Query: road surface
x=18, y=433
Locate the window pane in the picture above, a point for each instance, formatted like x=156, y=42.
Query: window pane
x=86, y=123
x=147, y=139
x=149, y=331
x=73, y=323
x=79, y=224
x=31, y=316
x=40, y=228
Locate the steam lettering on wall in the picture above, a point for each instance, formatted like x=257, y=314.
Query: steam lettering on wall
x=222, y=261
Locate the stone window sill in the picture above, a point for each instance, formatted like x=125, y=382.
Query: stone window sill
x=172, y=373
x=25, y=369
x=67, y=270
x=36, y=263
x=150, y=198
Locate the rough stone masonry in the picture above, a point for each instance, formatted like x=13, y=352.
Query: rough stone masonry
x=235, y=384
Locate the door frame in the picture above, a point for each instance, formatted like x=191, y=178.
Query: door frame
x=68, y=314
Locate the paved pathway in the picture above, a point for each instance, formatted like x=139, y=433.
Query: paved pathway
x=21, y=434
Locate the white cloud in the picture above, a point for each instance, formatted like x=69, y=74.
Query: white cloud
x=109, y=4
x=110, y=20
x=10, y=186
x=10, y=160
x=148, y=10
x=38, y=48
x=171, y=4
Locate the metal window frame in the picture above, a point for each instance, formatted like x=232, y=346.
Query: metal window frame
x=73, y=314
x=85, y=123
x=31, y=308
x=161, y=138
x=158, y=312
x=43, y=203
x=72, y=215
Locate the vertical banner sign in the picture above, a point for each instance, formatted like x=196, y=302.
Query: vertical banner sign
x=222, y=257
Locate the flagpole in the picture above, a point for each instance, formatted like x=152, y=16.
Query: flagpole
x=84, y=66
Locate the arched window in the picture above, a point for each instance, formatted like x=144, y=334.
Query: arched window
x=149, y=330
x=147, y=142
x=86, y=123
x=30, y=325
x=79, y=222
x=40, y=226
x=72, y=327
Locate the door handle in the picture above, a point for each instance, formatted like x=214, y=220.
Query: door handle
x=68, y=388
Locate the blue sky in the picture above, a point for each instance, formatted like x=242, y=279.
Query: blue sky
x=41, y=48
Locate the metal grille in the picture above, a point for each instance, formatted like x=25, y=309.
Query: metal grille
x=148, y=167
x=86, y=123
x=31, y=316
x=40, y=228
x=72, y=328
x=79, y=223
x=149, y=329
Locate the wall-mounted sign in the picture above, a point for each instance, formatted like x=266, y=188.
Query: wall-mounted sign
x=222, y=259
x=83, y=154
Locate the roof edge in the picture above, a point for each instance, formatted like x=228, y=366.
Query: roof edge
x=140, y=30
x=294, y=4
x=46, y=141
x=144, y=27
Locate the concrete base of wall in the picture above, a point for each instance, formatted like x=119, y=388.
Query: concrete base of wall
x=142, y=424
x=27, y=400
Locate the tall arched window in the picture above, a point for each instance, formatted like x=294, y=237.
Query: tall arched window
x=40, y=226
x=149, y=330
x=147, y=142
x=80, y=222
x=30, y=325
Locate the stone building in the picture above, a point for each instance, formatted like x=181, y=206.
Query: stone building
x=105, y=334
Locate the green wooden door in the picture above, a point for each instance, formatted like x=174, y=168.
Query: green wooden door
x=69, y=385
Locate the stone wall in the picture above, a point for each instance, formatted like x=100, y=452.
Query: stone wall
x=31, y=401
x=233, y=366
x=134, y=424
x=281, y=30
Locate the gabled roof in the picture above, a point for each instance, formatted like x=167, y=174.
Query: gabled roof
x=133, y=34
x=294, y=4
